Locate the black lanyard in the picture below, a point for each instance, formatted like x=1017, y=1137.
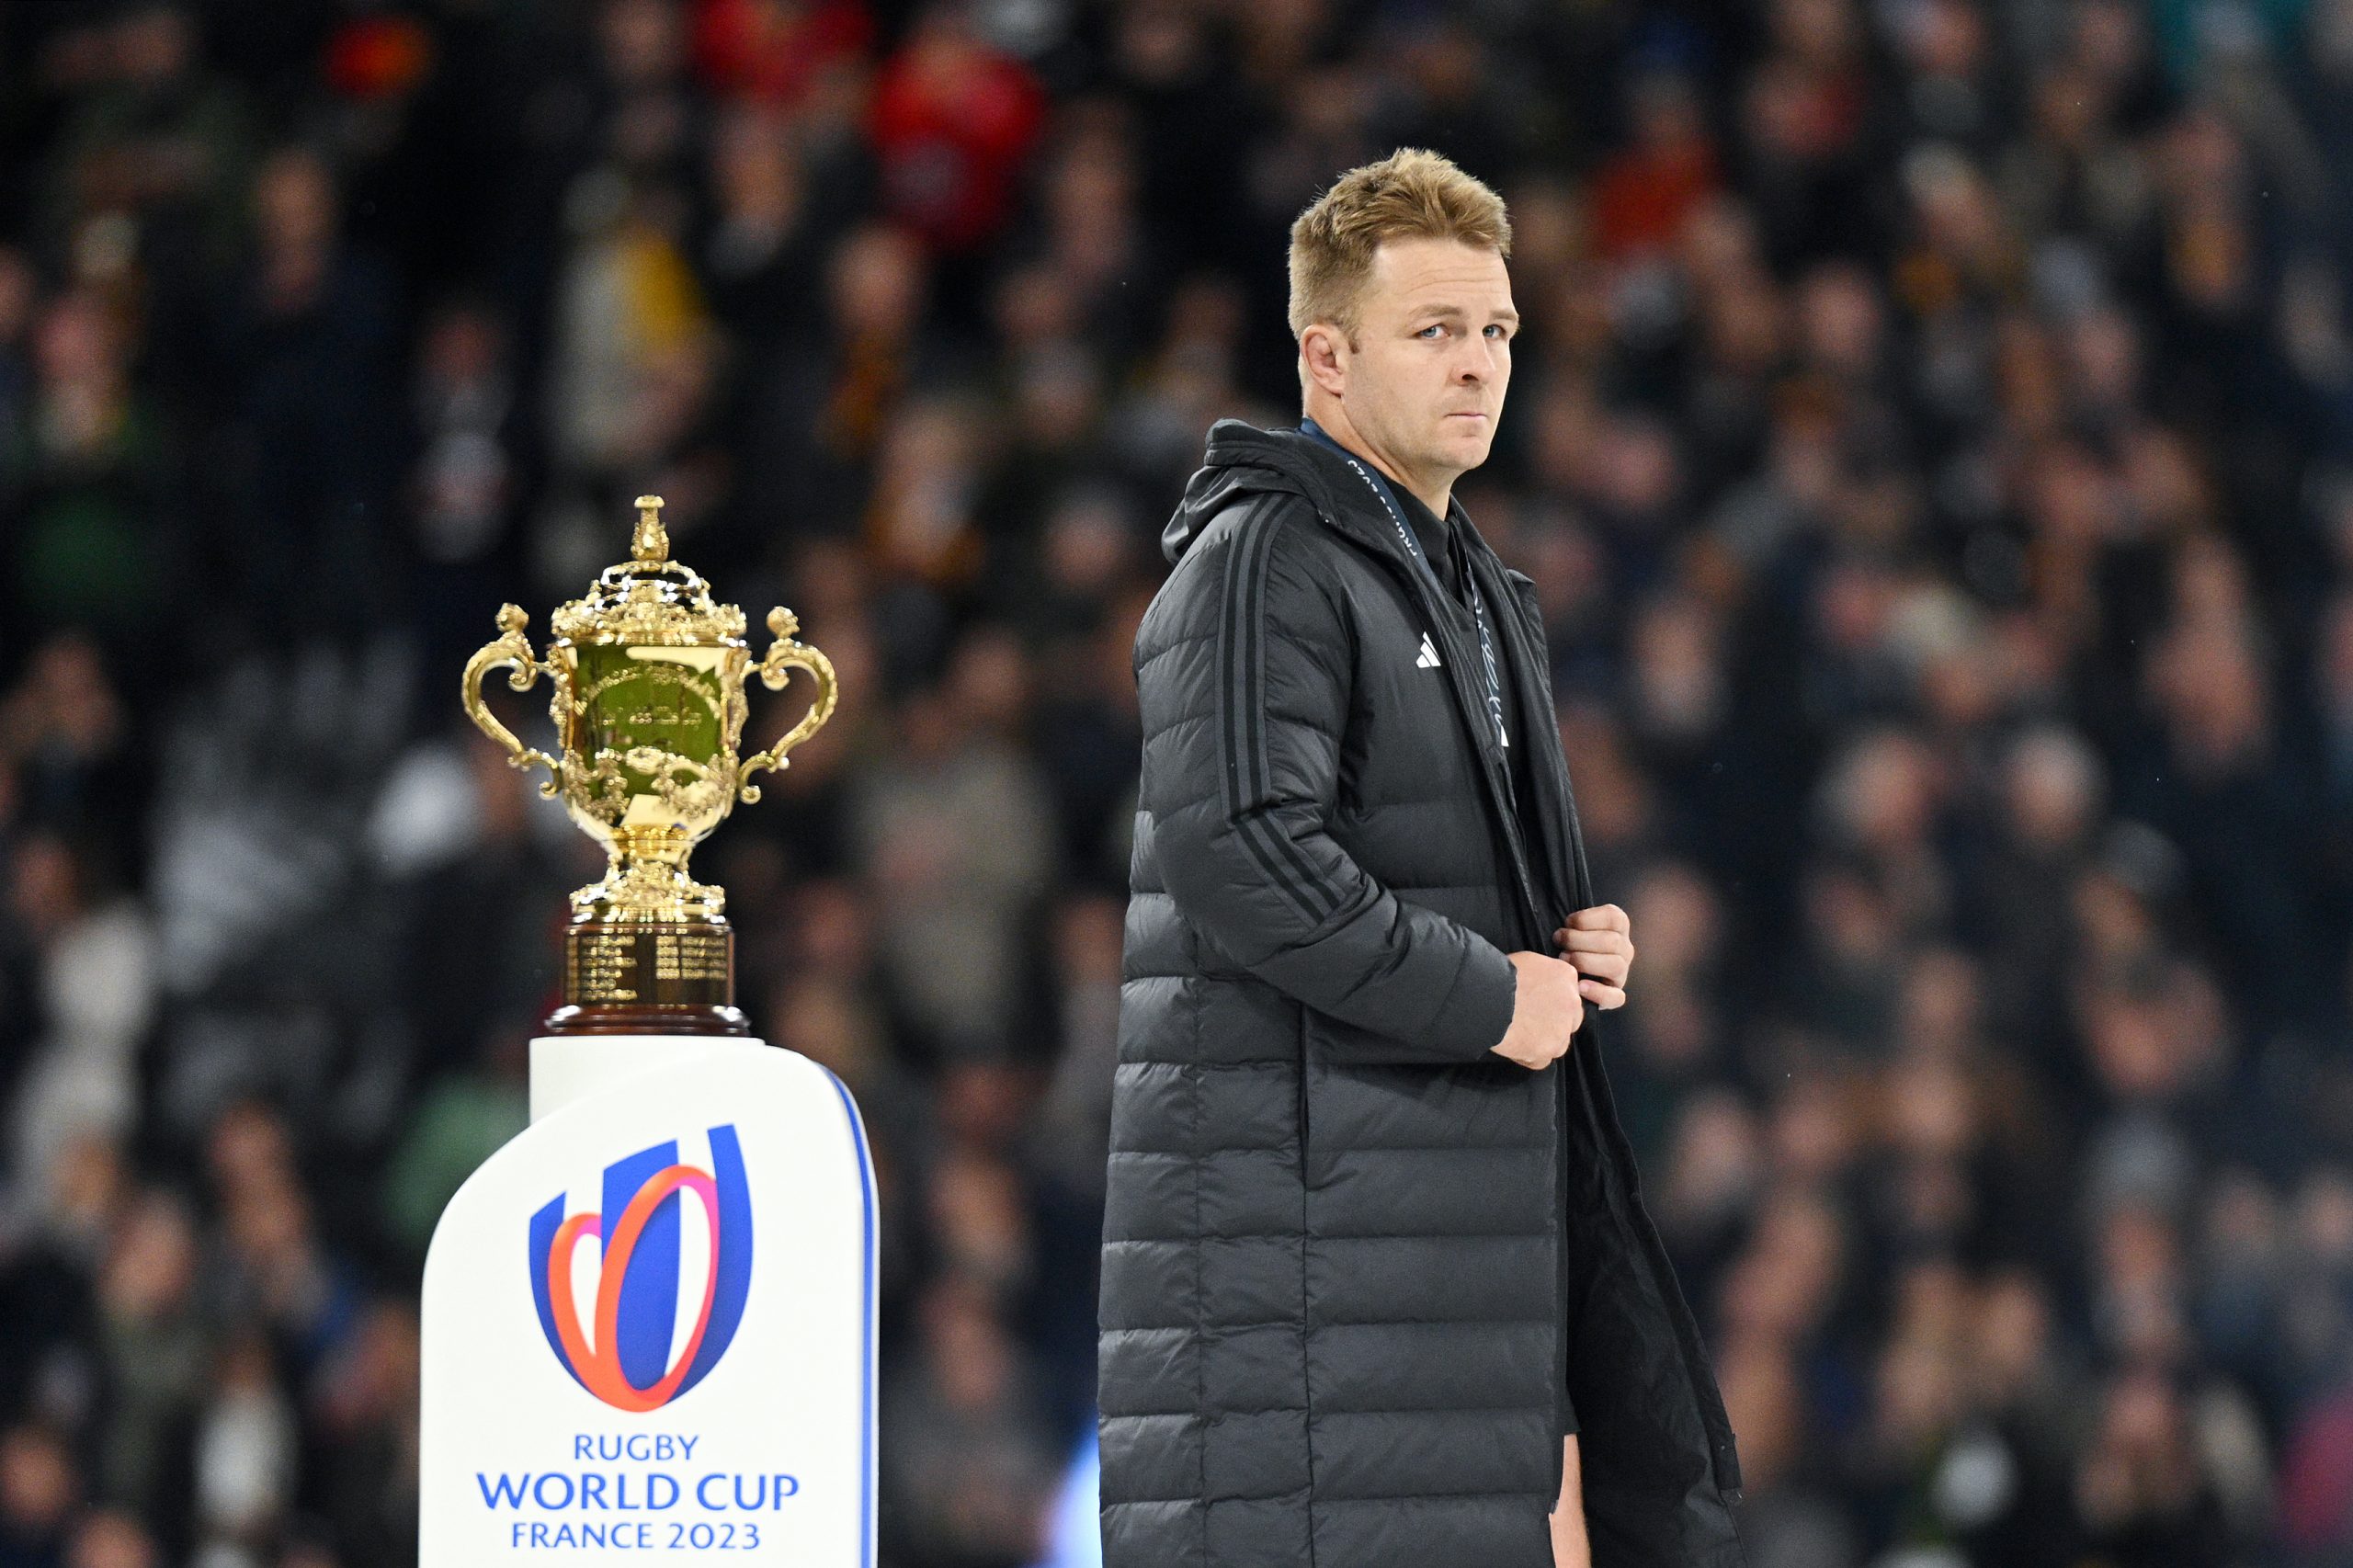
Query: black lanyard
x=1421, y=557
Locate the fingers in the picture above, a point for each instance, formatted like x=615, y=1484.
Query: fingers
x=1598, y=955
x=1532, y=1057
x=1604, y=996
x=1547, y=1011
x=1529, y=1048
x=1600, y=943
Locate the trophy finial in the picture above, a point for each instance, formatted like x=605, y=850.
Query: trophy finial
x=653, y=540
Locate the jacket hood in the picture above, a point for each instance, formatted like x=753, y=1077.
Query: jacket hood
x=1243, y=459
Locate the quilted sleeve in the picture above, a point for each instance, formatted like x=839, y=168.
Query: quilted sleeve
x=1257, y=673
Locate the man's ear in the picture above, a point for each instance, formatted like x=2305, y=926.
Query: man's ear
x=1323, y=353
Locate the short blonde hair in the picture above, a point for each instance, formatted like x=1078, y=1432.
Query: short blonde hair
x=1413, y=194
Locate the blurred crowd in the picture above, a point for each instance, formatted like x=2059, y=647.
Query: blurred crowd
x=1932, y=438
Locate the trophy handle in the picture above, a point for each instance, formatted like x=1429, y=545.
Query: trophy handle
x=513, y=651
x=785, y=655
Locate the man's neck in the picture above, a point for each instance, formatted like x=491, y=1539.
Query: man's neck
x=1435, y=492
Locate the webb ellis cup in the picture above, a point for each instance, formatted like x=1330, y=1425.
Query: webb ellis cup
x=649, y=705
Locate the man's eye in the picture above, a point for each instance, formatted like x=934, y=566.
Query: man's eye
x=1497, y=330
x=1428, y=330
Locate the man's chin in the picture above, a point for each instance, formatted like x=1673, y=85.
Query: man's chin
x=1467, y=448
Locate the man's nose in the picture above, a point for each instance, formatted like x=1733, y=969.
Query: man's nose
x=1475, y=364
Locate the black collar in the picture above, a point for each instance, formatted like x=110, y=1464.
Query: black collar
x=1438, y=535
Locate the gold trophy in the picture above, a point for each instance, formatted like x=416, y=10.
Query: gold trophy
x=649, y=706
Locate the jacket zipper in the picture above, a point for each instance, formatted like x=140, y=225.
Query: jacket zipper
x=1423, y=596
x=1499, y=801
x=1473, y=711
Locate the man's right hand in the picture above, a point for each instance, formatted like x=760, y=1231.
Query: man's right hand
x=1545, y=1011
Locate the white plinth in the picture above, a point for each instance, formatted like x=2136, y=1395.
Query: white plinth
x=712, y=1400
x=565, y=1068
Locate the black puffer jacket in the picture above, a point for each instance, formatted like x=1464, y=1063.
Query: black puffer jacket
x=1336, y=1328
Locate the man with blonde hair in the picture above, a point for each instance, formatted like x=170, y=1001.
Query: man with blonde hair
x=1374, y=1256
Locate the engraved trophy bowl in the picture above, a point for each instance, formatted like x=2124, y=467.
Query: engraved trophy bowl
x=648, y=679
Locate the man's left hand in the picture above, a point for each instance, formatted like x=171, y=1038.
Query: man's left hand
x=1601, y=942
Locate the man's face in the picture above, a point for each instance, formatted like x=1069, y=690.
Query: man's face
x=1432, y=359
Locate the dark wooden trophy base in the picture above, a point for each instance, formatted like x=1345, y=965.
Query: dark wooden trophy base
x=649, y=977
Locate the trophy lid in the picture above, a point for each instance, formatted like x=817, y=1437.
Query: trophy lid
x=649, y=598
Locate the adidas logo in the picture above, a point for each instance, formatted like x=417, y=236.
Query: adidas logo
x=1428, y=660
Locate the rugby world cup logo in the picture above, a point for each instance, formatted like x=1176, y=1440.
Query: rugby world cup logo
x=627, y=1350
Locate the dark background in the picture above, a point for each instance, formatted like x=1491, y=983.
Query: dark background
x=1932, y=439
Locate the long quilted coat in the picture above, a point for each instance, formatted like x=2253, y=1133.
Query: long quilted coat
x=1359, y=1272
